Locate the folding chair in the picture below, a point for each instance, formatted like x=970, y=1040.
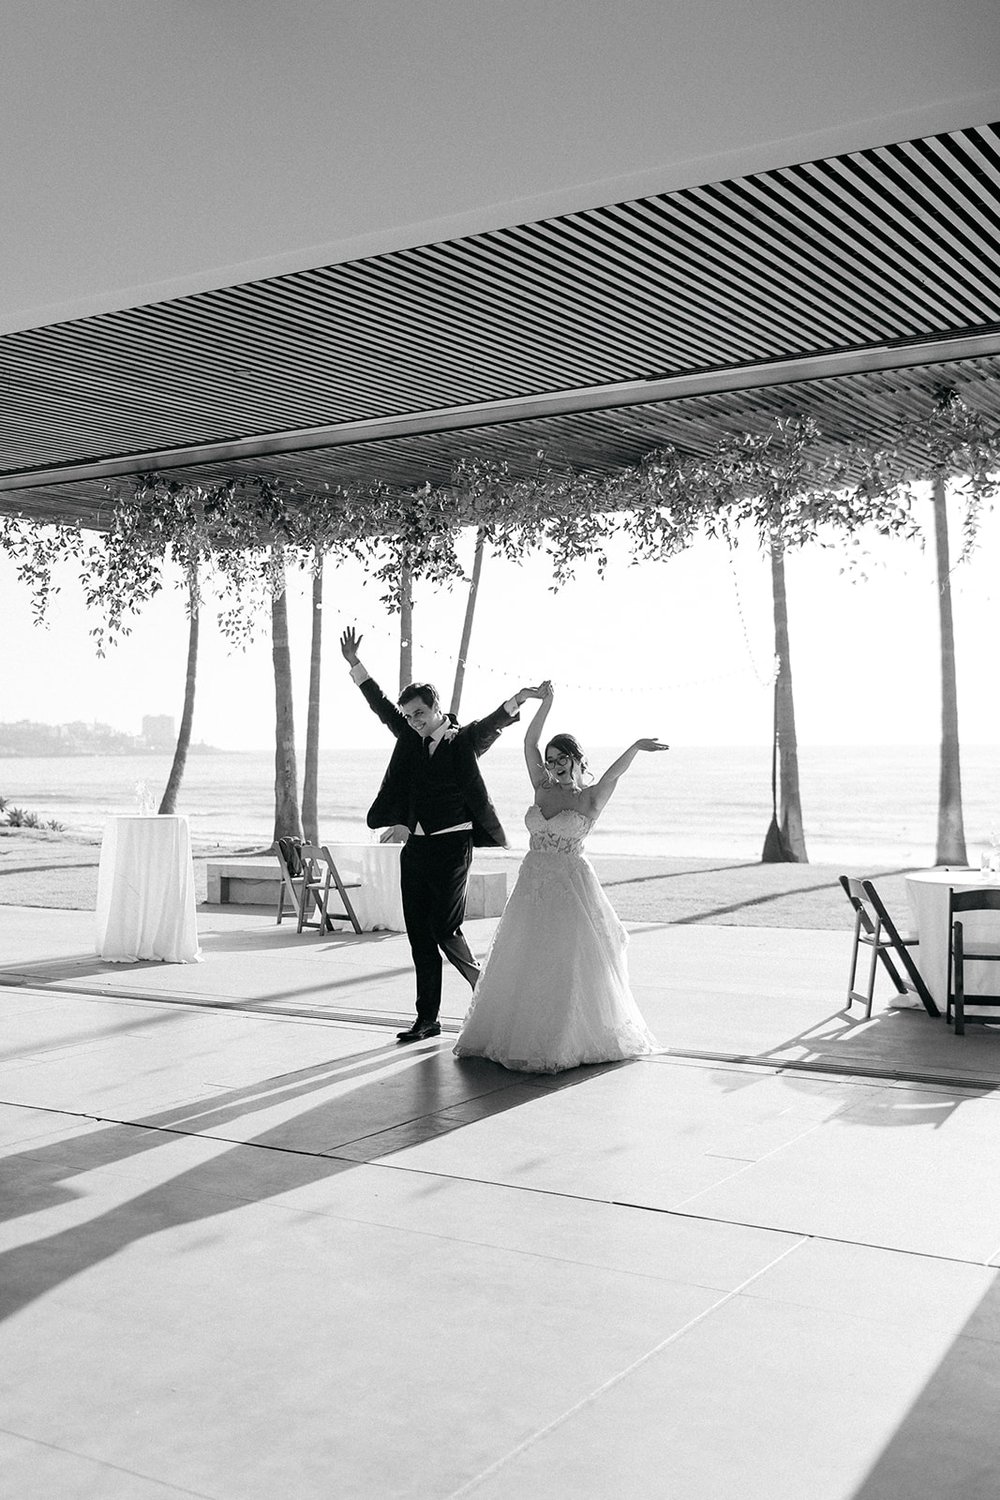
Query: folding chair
x=875, y=929
x=914, y=983
x=979, y=950
x=319, y=873
x=289, y=852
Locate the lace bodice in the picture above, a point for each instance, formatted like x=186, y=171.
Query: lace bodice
x=563, y=833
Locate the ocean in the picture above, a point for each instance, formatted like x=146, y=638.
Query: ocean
x=861, y=804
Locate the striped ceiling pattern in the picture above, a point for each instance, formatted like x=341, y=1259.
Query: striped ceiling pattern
x=389, y=368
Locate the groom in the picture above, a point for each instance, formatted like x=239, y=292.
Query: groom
x=434, y=788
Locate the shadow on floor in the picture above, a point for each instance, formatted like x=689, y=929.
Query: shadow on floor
x=421, y=1089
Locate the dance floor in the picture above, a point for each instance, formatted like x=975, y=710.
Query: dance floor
x=251, y=1247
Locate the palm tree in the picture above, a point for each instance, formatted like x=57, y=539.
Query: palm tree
x=950, y=828
x=785, y=486
x=951, y=442
x=405, y=626
x=310, y=780
x=470, y=610
x=287, y=818
x=771, y=482
x=168, y=802
x=785, y=839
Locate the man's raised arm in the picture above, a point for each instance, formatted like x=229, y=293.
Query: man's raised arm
x=349, y=643
x=374, y=696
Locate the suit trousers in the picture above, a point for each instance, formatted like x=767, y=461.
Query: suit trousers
x=433, y=877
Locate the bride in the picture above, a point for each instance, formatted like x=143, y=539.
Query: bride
x=554, y=992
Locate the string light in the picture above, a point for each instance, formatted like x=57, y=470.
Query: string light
x=510, y=673
x=766, y=682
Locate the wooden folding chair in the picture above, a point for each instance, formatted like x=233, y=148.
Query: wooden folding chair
x=319, y=874
x=962, y=951
x=914, y=983
x=289, y=852
x=868, y=933
x=874, y=929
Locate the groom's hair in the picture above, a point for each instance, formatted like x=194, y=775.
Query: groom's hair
x=425, y=691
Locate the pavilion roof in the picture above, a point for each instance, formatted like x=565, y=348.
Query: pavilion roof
x=850, y=289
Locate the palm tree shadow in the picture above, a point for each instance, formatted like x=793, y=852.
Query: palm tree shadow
x=420, y=1090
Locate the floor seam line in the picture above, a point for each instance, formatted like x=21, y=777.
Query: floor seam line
x=802, y=1234
x=674, y=1212
x=811, y=1234
x=385, y=1019
x=609, y=1384
x=833, y=1069
x=104, y=1463
x=242, y=1005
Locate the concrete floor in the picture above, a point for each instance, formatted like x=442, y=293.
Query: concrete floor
x=253, y=1249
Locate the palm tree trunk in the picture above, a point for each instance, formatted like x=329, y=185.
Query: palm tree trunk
x=405, y=626
x=168, y=802
x=310, y=779
x=790, y=844
x=951, y=829
x=470, y=611
x=287, y=819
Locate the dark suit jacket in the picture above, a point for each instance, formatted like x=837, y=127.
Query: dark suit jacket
x=394, y=803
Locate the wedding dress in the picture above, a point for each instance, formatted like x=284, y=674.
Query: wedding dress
x=554, y=992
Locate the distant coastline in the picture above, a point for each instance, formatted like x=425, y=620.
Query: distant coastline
x=28, y=740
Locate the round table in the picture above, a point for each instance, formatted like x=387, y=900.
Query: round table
x=378, y=904
x=145, y=891
x=927, y=892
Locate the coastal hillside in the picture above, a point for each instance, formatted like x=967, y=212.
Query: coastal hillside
x=26, y=738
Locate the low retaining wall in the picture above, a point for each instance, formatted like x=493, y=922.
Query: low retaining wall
x=255, y=882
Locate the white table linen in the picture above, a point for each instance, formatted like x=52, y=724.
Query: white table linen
x=145, y=891
x=927, y=892
x=378, y=903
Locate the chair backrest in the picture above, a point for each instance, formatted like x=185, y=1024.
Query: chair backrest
x=854, y=889
x=974, y=900
x=888, y=926
x=899, y=943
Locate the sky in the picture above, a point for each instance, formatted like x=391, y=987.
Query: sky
x=681, y=650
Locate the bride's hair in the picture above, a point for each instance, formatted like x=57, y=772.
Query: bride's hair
x=568, y=744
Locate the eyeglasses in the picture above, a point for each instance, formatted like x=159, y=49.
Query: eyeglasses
x=559, y=760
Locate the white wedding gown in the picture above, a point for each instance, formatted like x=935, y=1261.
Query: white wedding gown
x=554, y=992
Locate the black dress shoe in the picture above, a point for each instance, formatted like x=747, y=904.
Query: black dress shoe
x=419, y=1032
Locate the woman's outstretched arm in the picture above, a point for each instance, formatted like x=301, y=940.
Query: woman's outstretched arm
x=532, y=754
x=602, y=790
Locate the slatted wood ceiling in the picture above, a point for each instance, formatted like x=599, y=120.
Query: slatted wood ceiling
x=885, y=248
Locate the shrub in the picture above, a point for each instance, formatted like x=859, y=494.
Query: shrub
x=19, y=817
